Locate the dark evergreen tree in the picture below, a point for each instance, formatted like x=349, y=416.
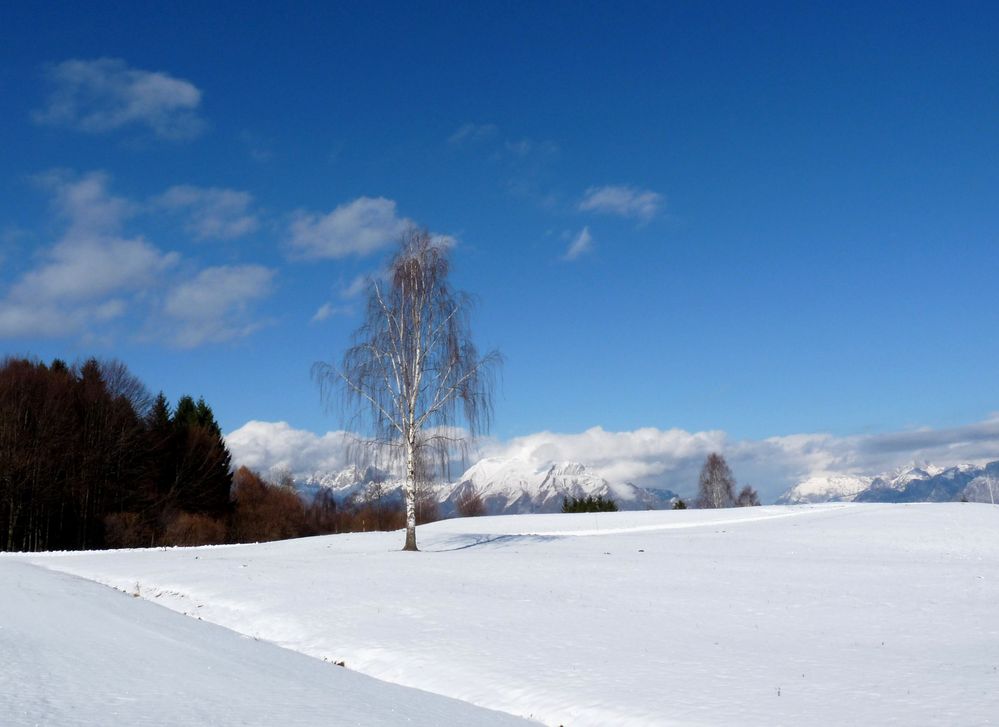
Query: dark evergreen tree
x=202, y=476
x=87, y=458
x=589, y=504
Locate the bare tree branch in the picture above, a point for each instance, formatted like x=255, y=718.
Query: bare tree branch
x=413, y=369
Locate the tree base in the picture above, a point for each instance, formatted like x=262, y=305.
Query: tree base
x=410, y=542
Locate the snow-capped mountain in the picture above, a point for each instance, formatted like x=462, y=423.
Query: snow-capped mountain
x=922, y=483
x=344, y=484
x=509, y=486
x=914, y=483
x=825, y=488
x=505, y=485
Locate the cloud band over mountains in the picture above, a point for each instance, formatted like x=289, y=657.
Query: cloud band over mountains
x=652, y=457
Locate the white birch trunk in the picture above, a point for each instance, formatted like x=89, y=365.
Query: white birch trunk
x=410, y=494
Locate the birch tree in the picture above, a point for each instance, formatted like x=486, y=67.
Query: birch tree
x=413, y=384
x=716, y=485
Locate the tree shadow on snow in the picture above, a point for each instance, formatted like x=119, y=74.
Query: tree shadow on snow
x=469, y=540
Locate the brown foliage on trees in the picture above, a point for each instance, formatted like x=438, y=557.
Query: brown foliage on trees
x=427, y=509
x=264, y=511
x=193, y=529
x=127, y=530
x=469, y=502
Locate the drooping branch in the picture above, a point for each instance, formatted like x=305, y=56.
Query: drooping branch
x=412, y=369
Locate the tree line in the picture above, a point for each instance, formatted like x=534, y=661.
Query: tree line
x=89, y=459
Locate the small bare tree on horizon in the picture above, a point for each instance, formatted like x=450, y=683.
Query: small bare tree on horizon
x=716, y=485
x=747, y=497
x=413, y=385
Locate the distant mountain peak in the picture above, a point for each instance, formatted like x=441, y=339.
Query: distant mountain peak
x=916, y=482
x=506, y=485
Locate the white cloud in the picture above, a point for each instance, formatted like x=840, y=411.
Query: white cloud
x=667, y=458
x=81, y=279
x=81, y=268
x=472, y=132
x=622, y=201
x=213, y=212
x=356, y=286
x=447, y=242
x=361, y=227
x=106, y=94
x=274, y=446
x=214, y=306
x=328, y=310
x=94, y=273
x=582, y=244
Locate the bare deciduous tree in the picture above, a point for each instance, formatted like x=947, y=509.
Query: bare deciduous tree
x=469, y=502
x=748, y=497
x=716, y=486
x=413, y=382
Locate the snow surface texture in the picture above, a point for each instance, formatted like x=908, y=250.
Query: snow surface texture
x=76, y=653
x=819, y=615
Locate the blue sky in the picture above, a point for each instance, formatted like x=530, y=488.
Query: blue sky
x=764, y=220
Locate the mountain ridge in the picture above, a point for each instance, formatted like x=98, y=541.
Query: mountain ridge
x=506, y=486
x=918, y=482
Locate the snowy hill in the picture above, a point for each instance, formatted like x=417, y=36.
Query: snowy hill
x=809, y=615
x=915, y=483
x=77, y=653
x=507, y=486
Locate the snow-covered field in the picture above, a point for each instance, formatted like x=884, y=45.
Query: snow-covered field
x=76, y=653
x=828, y=614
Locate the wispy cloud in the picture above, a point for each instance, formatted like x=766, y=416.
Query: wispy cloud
x=328, y=310
x=669, y=458
x=581, y=244
x=106, y=94
x=91, y=270
x=522, y=148
x=214, y=306
x=470, y=133
x=525, y=162
x=95, y=273
x=356, y=286
x=361, y=227
x=213, y=213
x=258, y=149
x=623, y=201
